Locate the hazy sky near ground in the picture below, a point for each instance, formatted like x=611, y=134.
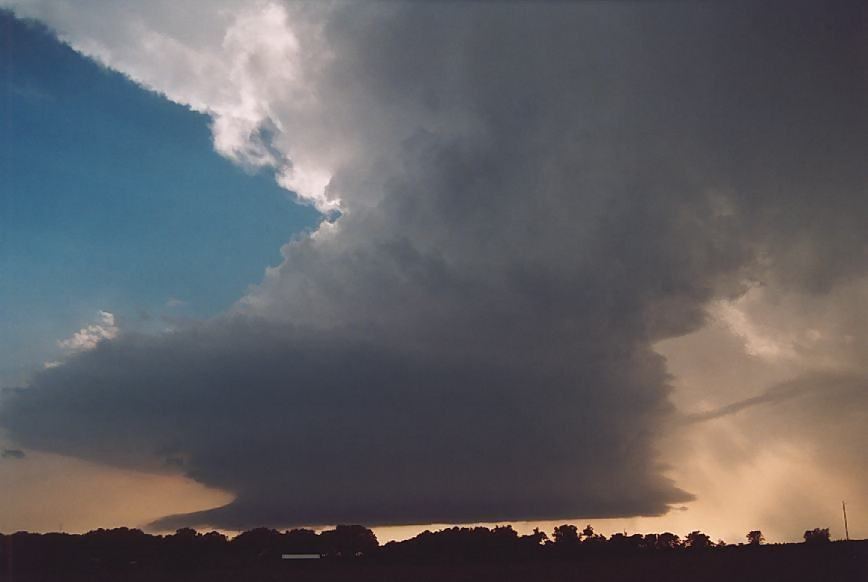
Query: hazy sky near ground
x=592, y=260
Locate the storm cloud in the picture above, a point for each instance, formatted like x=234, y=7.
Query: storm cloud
x=522, y=199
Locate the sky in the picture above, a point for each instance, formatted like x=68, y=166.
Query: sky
x=114, y=200
x=417, y=263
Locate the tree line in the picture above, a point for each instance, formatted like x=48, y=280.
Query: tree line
x=124, y=548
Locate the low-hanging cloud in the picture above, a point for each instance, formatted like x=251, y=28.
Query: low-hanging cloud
x=317, y=427
x=531, y=195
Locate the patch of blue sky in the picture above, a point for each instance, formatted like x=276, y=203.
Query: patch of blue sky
x=112, y=198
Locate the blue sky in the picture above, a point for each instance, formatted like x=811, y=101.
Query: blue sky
x=112, y=198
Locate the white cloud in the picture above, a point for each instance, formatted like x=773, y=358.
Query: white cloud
x=240, y=62
x=88, y=337
x=763, y=343
x=801, y=330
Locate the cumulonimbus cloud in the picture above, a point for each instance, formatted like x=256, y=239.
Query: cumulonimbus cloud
x=531, y=196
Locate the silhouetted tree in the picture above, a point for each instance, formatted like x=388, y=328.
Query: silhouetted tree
x=300, y=541
x=696, y=540
x=185, y=534
x=347, y=541
x=649, y=541
x=668, y=541
x=458, y=544
x=261, y=544
x=755, y=537
x=215, y=537
x=566, y=534
x=537, y=537
x=591, y=538
x=817, y=535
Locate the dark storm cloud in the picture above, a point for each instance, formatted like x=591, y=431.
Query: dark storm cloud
x=532, y=195
x=315, y=427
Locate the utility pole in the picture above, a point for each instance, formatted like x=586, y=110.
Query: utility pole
x=846, y=529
